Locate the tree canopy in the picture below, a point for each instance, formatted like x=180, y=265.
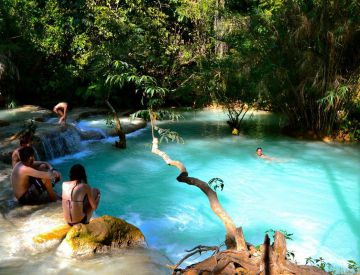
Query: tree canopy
x=299, y=58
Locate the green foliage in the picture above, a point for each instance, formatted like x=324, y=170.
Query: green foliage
x=353, y=266
x=109, y=120
x=216, y=183
x=288, y=236
x=290, y=255
x=144, y=114
x=168, y=135
x=165, y=114
x=320, y=263
x=263, y=54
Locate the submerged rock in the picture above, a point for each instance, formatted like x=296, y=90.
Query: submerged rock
x=4, y=123
x=101, y=235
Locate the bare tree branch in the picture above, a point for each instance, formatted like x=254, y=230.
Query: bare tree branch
x=211, y=195
x=122, y=138
x=198, y=249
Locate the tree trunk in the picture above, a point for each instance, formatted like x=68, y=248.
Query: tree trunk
x=220, y=46
x=234, y=236
x=268, y=260
x=326, y=50
x=122, y=139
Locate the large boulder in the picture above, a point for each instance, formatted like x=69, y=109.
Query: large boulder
x=101, y=235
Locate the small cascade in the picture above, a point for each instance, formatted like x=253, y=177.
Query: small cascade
x=89, y=132
x=58, y=142
x=92, y=134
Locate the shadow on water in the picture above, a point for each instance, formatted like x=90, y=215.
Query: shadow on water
x=253, y=127
x=350, y=217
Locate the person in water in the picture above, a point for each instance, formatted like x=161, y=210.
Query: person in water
x=61, y=110
x=259, y=153
x=79, y=200
x=30, y=185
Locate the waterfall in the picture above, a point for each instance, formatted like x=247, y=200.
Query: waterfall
x=57, y=142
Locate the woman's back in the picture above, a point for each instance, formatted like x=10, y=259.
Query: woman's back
x=74, y=195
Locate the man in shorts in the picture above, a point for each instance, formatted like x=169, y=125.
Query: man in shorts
x=61, y=110
x=32, y=186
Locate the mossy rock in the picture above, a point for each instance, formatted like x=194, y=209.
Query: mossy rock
x=57, y=233
x=101, y=235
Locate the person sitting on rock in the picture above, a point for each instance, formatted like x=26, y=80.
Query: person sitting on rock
x=61, y=110
x=30, y=185
x=25, y=140
x=79, y=200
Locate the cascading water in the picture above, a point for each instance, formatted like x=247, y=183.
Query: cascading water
x=59, y=142
x=310, y=189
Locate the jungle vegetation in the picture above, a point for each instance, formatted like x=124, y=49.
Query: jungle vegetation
x=295, y=57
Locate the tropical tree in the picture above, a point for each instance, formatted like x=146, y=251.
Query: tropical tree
x=310, y=77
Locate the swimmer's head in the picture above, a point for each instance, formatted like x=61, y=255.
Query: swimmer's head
x=259, y=151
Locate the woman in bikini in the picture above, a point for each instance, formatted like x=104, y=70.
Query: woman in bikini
x=79, y=200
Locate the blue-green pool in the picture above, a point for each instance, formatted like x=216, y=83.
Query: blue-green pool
x=310, y=189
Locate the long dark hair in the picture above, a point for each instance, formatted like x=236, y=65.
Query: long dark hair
x=77, y=172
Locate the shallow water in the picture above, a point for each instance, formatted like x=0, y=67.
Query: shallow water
x=310, y=189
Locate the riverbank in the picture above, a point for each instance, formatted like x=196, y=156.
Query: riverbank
x=144, y=191
x=340, y=136
x=20, y=224
x=51, y=134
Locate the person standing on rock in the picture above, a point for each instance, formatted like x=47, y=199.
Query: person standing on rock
x=30, y=185
x=79, y=200
x=61, y=110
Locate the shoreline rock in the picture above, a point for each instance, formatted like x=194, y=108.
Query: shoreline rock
x=53, y=132
x=101, y=235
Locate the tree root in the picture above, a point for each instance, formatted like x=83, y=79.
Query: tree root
x=268, y=260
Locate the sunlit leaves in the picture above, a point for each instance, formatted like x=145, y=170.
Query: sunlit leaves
x=168, y=135
x=288, y=236
x=216, y=183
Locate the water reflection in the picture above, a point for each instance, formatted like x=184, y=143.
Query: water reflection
x=312, y=191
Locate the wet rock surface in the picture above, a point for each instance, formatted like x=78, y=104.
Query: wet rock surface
x=101, y=235
x=62, y=139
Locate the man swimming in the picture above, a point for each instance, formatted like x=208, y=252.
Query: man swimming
x=259, y=153
x=31, y=186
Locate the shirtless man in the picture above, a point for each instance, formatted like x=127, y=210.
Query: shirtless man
x=259, y=153
x=61, y=109
x=25, y=141
x=79, y=200
x=32, y=186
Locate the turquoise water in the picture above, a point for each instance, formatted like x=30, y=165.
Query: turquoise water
x=310, y=188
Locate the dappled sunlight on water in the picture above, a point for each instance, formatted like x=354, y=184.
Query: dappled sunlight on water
x=310, y=188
